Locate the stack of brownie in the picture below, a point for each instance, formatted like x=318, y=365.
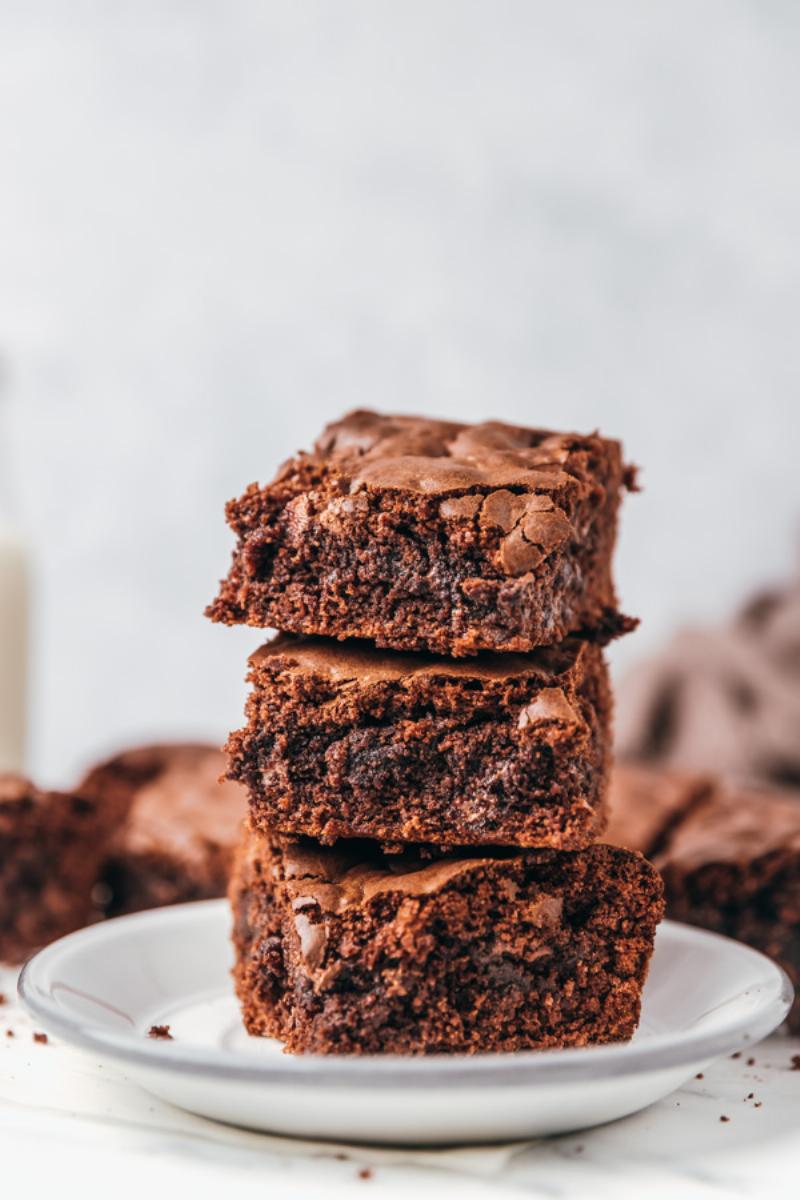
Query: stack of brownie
x=427, y=746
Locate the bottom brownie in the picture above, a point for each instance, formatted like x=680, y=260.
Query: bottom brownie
x=51, y=847
x=351, y=951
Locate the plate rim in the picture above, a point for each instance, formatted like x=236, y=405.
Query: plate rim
x=525, y=1067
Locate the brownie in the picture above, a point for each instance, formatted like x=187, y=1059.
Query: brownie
x=181, y=830
x=419, y=534
x=729, y=855
x=344, y=741
x=733, y=866
x=51, y=847
x=646, y=804
x=352, y=951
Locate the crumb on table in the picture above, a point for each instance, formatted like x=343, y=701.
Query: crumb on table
x=160, y=1032
x=40, y=1038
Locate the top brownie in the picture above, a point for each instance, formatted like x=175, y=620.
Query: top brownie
x=421, y=534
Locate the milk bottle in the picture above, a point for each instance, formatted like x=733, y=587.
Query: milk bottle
x=13, y=615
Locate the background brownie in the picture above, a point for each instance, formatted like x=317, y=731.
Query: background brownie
x=646, y=804
x=729, y=856
x=51, y=848
x=181, y=830
x=347, y=741
x=350, y=951
x=421, y=534
x=733, y=865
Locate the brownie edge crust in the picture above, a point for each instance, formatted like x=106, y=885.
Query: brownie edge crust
x=347, y=741
x=350, y=951
x=422, y=534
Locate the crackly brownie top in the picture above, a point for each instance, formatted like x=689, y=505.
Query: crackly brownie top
x=354, y=873
x=735, y=826
x=425, y=455
x=338, y=878
x=177, y=802
x=365, y=664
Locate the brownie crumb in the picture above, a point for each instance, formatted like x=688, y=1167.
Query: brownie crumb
x=160, y=1032
x=758, y=1104
x=724, y=1118
x=3, y=998
x=795, y=1063
x=40, y=1038
x=10, y=1033
x=751, y=1062
x=700, y=1075
x=749, y=1095
x=365, y=1173
x=738, y=1054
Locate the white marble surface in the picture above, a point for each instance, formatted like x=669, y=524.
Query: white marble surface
x=69, y=1125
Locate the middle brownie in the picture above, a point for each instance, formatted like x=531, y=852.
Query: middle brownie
x=347, y=741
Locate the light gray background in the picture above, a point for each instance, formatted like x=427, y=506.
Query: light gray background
x=222, y=223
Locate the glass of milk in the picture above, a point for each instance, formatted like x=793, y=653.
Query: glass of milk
x=13, y=610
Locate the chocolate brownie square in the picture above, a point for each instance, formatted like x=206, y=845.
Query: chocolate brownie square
x=182, y=826
x=733, y=866
x=419, y=534
x=51, y=848
x=729, y=855
x=344, y=741
x=352, y=951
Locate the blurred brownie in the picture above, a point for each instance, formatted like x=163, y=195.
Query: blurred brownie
x=419, y=534
x=729, y=856
x=182, y=826
x=51, y=848
x=351, y=951
x=344, y=741
x=645, y=804
x=723, y=699
x=733, y=865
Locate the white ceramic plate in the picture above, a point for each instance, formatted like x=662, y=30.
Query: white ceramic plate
x=102, y=988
